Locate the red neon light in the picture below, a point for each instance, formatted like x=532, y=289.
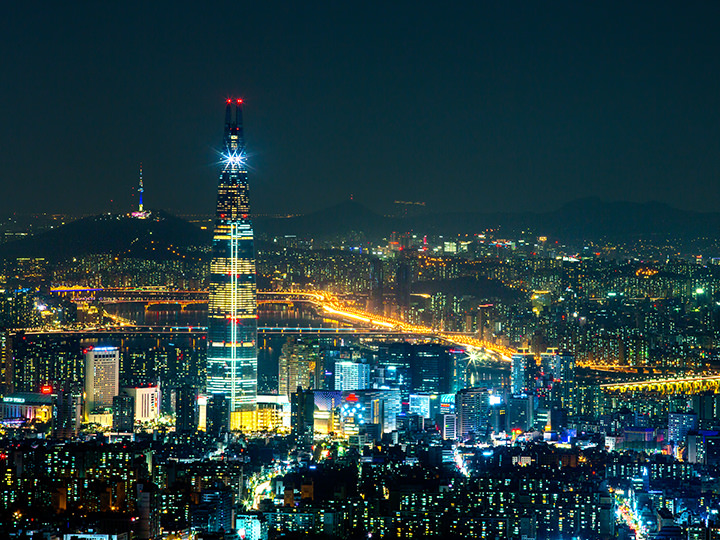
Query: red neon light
x=351, y=397
x=46, y=389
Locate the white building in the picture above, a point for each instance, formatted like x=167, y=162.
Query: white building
x=147, y=402
x=449, y=427
x=102, y=377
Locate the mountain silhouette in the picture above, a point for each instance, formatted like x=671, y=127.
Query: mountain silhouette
x=110, y=234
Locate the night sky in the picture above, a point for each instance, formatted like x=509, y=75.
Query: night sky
x=503, y=106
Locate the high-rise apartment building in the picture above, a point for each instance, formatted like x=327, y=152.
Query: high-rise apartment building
x=524, y=371
x=560, y=368
x=680, y=424
x=472, y=410
x=186, y=409
x=232, y=309
x=377, y=276
x=67, y=414
x=218, y=415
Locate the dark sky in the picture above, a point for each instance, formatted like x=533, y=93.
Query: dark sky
x=499, y=106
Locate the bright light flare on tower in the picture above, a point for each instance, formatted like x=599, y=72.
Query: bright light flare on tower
x=233, y=159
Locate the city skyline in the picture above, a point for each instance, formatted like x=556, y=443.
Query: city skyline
x=461, y=304
x=513, y=108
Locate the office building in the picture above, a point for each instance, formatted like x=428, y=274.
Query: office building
x=449, y=428
x=147, y=402
x=519, y=413
x=214, y=514
x=102, y=377
x=379, y=406
x=67, y=414
x=302, y=418
x=432, y=371
x=420, y=404
x=314, y=411
x=27, y=407
x=351, y=376
x=123, y=413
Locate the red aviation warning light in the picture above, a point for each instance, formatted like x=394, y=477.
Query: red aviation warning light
x=239, y=101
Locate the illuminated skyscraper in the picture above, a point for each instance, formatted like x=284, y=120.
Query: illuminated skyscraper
x=232, y=310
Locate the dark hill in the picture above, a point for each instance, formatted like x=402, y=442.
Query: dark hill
x=589, y=218
x=483, y=288
x=340, y=219
x=109, y=234
x=592, y=217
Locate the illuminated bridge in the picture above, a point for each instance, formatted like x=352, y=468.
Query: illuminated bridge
x=680, y=385
x=200, y=331
x=328, y=304
x=140, y=295
x=332, y=307
x=161, y=295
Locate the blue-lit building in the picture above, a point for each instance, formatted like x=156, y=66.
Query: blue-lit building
x=232, y=309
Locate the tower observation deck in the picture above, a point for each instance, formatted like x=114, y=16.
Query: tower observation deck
x=232, y=306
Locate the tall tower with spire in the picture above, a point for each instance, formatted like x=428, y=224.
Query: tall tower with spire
x=140, y=213
x=232, y=309
x=140, y=192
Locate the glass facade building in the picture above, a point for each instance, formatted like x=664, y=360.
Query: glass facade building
x=232, y=310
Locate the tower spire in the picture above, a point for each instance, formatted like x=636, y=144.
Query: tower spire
x=234, y=155
x=228, y=115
